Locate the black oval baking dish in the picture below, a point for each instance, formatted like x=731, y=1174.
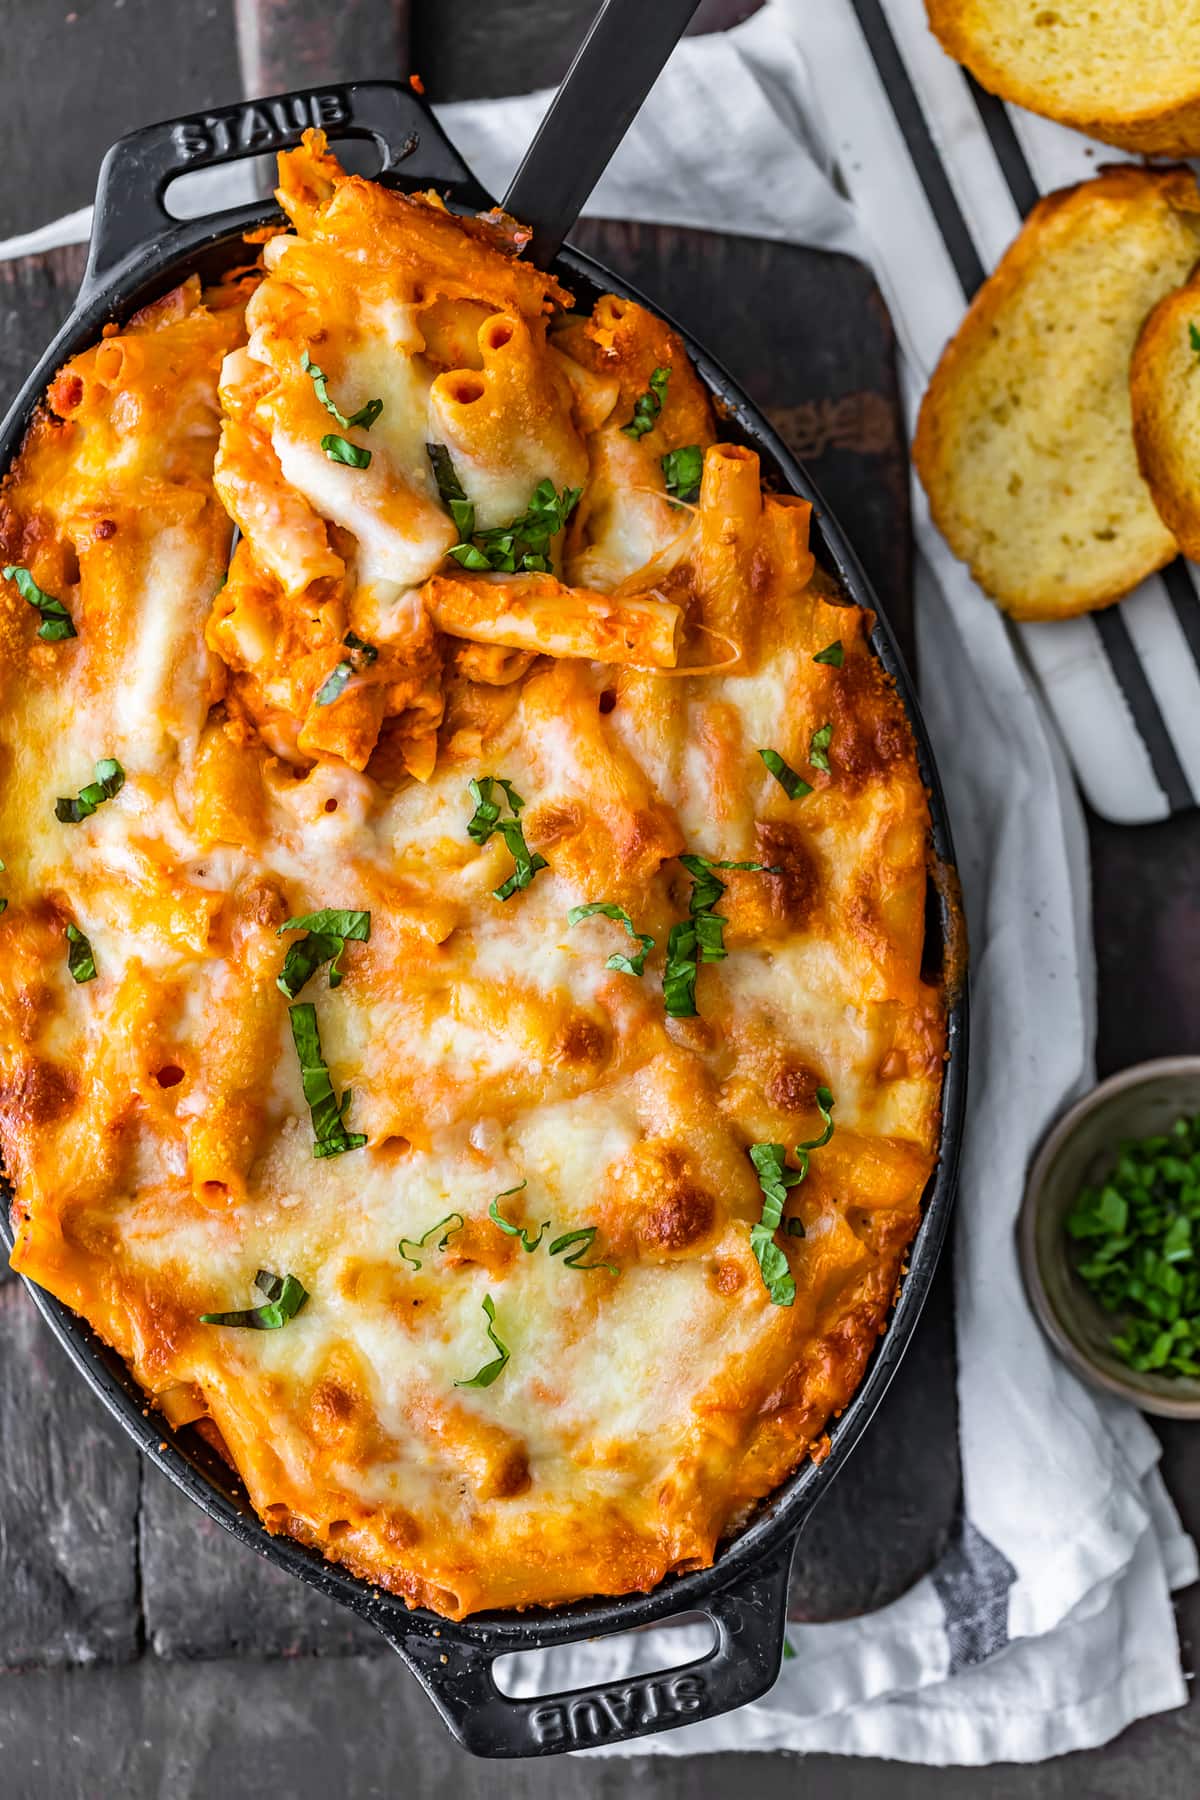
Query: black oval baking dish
x=137, y=252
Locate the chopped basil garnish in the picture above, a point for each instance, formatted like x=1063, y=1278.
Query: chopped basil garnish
x=775, y=1178
x=81, y=961
x=818, y=748
x=682, y=471
x=679, y=975
x=365, y=416
x=833, y=654
x=362, y=655
x=701, y=936
x=451, y=492
x=583, y=1239
x=527, y=864
x=110, y=779
x=647, y=406
x=57, y=623
x=453, y=1222
x=528, y=1241
x=625, y=965
x=793, y=785
x=341, y=450
x=1194, y=339
x=524, y=546
x=333, y=684
x=330, y=1137
x=285, y=1296
x=485, y=1377
x=486, y=819
x=326, y=935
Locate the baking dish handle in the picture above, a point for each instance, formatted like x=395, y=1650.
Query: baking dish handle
x=131, y=218
x=749, y=1618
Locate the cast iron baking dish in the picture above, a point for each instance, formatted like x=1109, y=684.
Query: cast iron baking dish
x=139, y=251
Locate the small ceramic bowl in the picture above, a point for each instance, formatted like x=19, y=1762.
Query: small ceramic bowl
x=1078, y=1152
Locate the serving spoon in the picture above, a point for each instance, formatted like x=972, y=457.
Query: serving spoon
x=614, y=69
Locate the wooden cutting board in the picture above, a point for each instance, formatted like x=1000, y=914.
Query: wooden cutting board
x=100, y=1558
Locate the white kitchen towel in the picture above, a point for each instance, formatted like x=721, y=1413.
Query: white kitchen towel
x=1048, y=1625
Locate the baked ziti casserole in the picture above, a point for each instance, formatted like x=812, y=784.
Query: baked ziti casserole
x=463, y=1038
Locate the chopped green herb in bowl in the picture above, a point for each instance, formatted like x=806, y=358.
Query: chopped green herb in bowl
x=1136, y=1237
x=1109, y=1236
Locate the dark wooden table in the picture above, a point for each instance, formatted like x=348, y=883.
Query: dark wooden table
x=159, y=1657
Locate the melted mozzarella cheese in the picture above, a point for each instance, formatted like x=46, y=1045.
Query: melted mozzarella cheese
x=155, y=1120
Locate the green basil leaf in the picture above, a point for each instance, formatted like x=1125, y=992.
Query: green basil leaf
x=701, y=936
x=285, y=1297
x=330, y=1137
x=362, y=655
x=470, y=557
x=420, y=1243
x=1194, y=338
x=333, y=685
x=341, y=450
x=527, y=863
x=327, y=934
x=775, y=1178
x=81, y=961
x=529, y=1243
x=365, y=416
x=682, y=471
x=583, y=1240
x=451, y=491
x=793, y=785
x=647, y=406
x=833, y=654
x=625, y=965
x=825, y=1108
x=57, y=623
x=523, y=546
x=359, y=647
x=486, y=820
x=485, y=1376
x=110, y=779
x=818, y=748
x=679, y=975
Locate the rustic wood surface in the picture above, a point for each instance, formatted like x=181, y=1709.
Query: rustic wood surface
x=100, y=1560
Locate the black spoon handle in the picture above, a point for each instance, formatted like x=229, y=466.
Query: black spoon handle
x=614, y=69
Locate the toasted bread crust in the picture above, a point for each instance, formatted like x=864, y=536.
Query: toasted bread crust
x=1165, y=129
x=1164, y=385
x=960, y=426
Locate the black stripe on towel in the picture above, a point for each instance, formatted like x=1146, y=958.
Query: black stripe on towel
x=1112, y=631
x=1131, y=677
x=921, y=147
x=1181, y=590
x=1009, y=154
